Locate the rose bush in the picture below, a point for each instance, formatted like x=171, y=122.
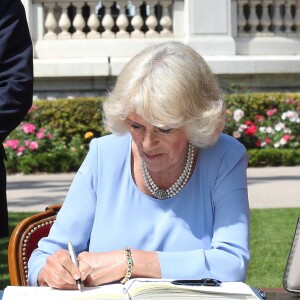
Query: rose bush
x=30, y=149
x=275, y=127
x=55, y=135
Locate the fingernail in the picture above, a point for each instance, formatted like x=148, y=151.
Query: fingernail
x=76, y=277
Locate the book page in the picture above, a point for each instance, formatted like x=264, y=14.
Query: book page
x=111, y=291
x=158, y=289
x=135, y=289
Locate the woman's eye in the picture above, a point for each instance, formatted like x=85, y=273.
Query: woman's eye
x=135, y=126
x=164, y=130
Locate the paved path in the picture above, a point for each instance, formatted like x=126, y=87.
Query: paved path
x=268, y=187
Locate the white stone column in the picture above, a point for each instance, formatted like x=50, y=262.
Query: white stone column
x=179, y=18
x=151, y=22
x=166, y=21
x=93, y=21
x=122, y=21
x=265, y=20
x=210, y=30
x=50, y=22
x=241, y=20
x=288, y=19
x=253, y=19
x=277, y=19
x=137, y=21
x=107, y=21
x=79, y=22
x=64, y=22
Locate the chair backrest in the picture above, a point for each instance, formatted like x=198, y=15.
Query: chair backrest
x=24, y=240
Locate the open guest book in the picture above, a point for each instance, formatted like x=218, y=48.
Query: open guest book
x=134, y=289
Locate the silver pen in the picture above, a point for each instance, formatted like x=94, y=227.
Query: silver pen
x=75, y=261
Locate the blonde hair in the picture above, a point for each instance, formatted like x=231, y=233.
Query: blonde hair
x=168, y=84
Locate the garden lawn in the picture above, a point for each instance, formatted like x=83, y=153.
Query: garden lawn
x=272, y=232
x=14, y=219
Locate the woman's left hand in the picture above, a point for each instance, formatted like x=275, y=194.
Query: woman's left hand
x=101, y=268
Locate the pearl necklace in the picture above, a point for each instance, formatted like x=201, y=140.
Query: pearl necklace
x=177, y=186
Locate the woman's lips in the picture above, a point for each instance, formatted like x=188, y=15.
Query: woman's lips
x=152, y=157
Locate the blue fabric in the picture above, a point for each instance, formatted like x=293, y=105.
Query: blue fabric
x=203, y=231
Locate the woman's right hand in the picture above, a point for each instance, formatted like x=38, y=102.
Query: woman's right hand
x=60, y=272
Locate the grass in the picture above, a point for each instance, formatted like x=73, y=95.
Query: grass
x=272, y=233
x=14, y=219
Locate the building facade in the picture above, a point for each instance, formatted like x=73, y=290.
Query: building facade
x=81, y=46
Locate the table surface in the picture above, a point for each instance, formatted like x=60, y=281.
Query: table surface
x=271, y=294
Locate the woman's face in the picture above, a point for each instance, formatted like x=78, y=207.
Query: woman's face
x=162, y=149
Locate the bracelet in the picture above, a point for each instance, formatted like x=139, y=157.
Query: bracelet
x=129, y=265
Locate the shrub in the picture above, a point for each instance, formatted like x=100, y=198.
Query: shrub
x=51, y=138
x=55, y=135
x=269, y=121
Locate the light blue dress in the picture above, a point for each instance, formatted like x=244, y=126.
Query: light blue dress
x=203, y=231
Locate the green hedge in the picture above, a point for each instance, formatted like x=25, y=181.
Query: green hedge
x=66, y=126
x=68, y=116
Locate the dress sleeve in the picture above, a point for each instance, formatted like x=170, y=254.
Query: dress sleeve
x=228, y=256
x=75, y=219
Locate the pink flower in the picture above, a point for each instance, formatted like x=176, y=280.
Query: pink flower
x=28, y=128
x=33, y=145
x=259, y=118
x=33, y=107
x=286, y=137
x=41, y=134
x=27, y=143
x=271, y=112
x=267, y=141
x=13, y=144
x=288, y=100
x=20, y=150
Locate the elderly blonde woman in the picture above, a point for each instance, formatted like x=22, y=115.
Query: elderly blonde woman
x=167, y=186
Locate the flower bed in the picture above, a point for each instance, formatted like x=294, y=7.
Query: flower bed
x=55, y=134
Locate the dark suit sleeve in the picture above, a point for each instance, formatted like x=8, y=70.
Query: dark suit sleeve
x=16, y=67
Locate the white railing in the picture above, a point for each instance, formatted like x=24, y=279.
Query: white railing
x=268, y=18
x=77, y=19
x=79, y=45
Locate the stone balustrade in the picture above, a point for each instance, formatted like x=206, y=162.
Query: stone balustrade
x=80, y=45
x=121, y=19
x=268, y=18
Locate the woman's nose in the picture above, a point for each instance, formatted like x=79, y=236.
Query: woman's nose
x=149, y=139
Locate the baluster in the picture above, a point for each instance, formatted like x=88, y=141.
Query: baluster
x=288, y=19
x=241, y=18
x=79, y=22
x=50, y=22
x=107, y=21
x=253, y=19
x=151, y=22
x=277, y=20
x=64, y=22
x=122, y=21
x=166, y=21
x=93, y=21
x=297, y=18
x=137, y=21
x=265, y=21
